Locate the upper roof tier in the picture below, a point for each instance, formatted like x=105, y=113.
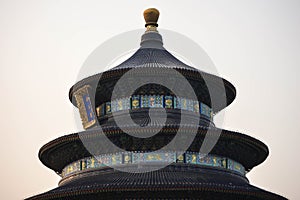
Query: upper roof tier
x=155, y=61
x=151, y=52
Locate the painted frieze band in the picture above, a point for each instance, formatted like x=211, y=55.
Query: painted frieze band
x=111, y=160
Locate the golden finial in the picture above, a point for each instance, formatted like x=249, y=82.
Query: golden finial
x=151, y=16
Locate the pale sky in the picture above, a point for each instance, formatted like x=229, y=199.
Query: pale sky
x=254, y=44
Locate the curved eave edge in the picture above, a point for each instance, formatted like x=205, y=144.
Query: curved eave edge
x=251, y=191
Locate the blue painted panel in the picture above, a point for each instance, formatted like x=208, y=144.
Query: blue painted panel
x=88, y=107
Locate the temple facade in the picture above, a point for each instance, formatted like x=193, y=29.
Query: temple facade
x=144, y=138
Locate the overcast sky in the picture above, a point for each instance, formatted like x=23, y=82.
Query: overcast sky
x=254, y=44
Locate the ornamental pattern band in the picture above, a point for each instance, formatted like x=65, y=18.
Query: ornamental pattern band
x=154, y=101
x=88, y=116
x=115, y=159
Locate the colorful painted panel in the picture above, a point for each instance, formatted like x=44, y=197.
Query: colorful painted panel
x=154, y=157
x=119, y=105
x=88, y=107
x=223, y=162
x=135, y=102
x=191, y=158
x=126, y=103
x=159, y=101
x=106, y=160
x=180, y=157
x=206, y=160
x=216, y=161
x=196, y=106
x=83, y=164
x=137, y=158
x=127, y=158
x=205, y=110
x=151, y=102
x=177, y=102
x=108, y=108
x=184, y=104
x=91, y=163
x=145, y=101
x=116, y=159
x=235, y=166
x=101, y=110
x=154, y=101
x=190, y=105
x=70, y=169
x=170, y=157
x=85, y=107
x=99, y=161
x=114, y=105
x=150, y=157
x=168, y=102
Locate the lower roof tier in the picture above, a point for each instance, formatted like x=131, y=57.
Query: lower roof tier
x=241, y=148
x=172, y=182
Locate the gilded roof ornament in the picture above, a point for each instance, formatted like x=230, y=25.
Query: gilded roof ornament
x=151, y=16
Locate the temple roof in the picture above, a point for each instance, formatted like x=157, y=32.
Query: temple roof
x=153, y=57
x=175, y=181
x=168, y=183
